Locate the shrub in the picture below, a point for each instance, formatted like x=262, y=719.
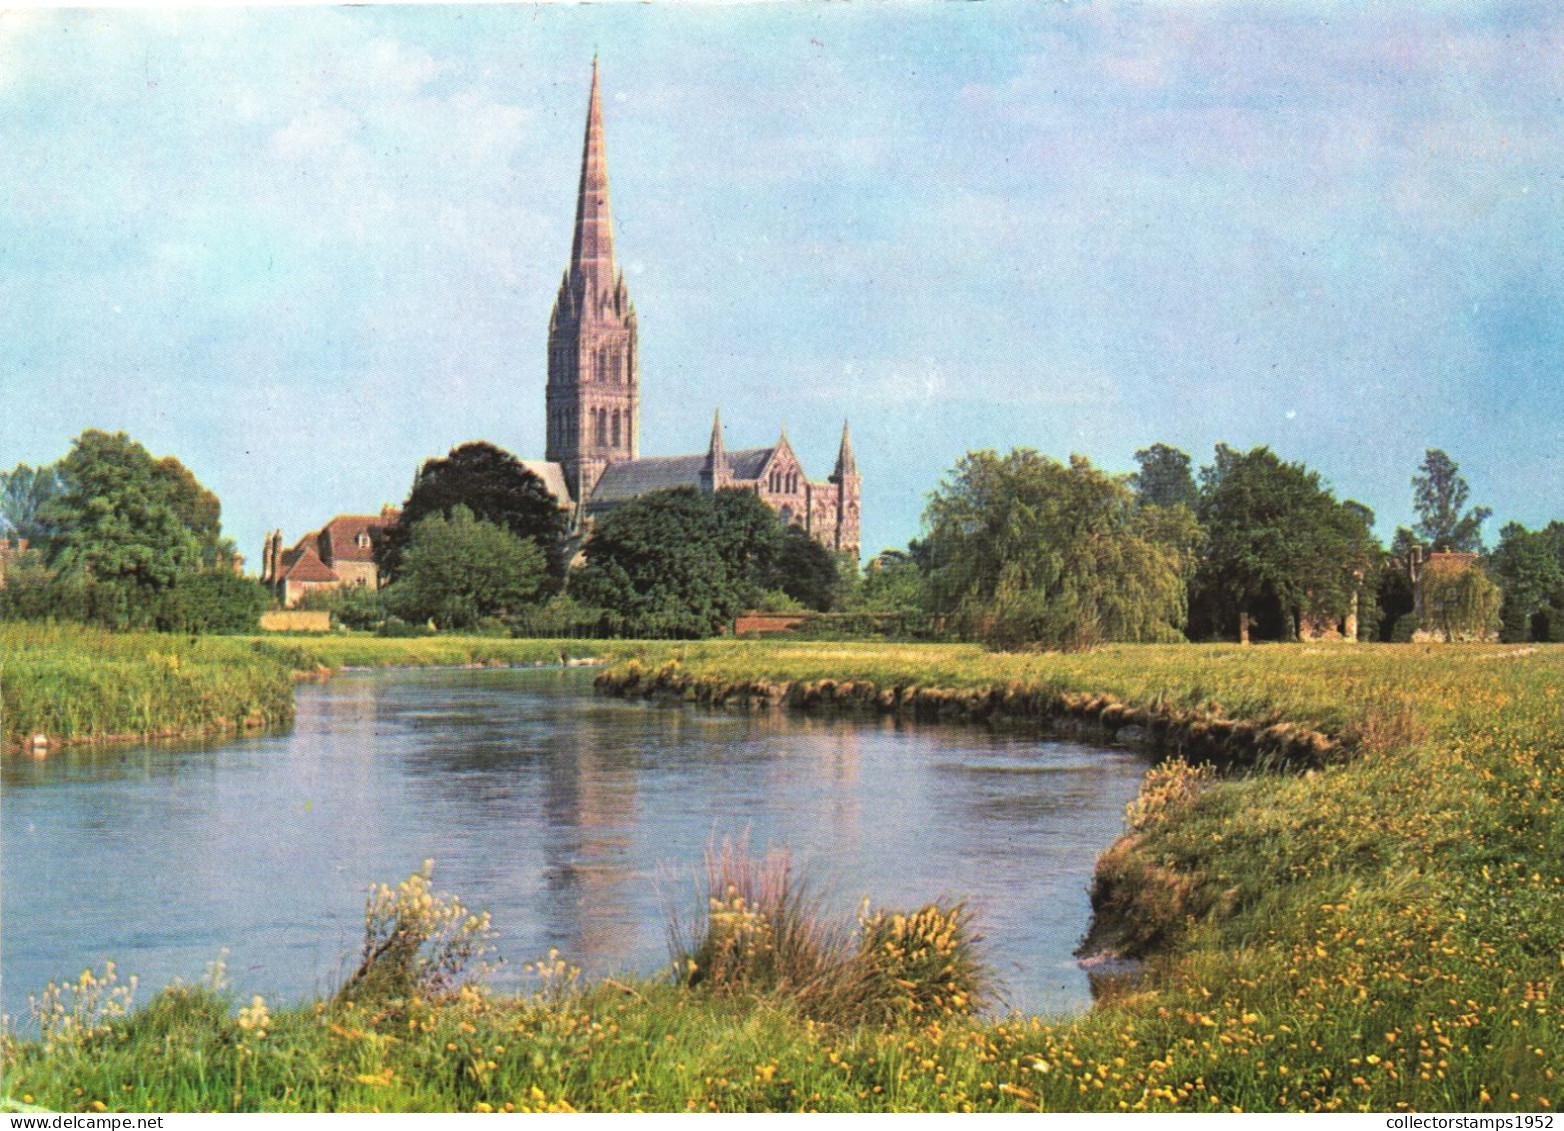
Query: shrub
x=923, y=965
x=417, y=943
x=213, y=601
x=1167, y=787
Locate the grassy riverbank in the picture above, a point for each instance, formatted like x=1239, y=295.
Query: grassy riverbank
x=76, y=684
x=1381, y=932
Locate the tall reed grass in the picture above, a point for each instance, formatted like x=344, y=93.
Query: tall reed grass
x=764, y=934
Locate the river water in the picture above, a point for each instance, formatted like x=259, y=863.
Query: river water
x=575, y=820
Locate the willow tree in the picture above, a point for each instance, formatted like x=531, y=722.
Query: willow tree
x=1026, y=552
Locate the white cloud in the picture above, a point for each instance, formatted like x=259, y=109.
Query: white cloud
x=316, y=133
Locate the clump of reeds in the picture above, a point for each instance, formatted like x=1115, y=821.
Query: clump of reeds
x=764, y=934
x=762, y=930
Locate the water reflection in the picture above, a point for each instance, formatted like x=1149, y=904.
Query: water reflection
x=574, y=819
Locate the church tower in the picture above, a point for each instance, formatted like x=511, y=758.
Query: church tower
x=593, y=365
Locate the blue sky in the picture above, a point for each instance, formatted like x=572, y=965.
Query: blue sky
x=306, y=249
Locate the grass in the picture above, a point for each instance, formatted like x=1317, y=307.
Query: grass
x=1383, y=932
x=362, y=651
x=77, y=684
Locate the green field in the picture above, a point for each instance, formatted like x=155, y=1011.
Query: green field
x=1383, y=932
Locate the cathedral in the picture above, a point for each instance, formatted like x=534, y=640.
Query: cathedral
x=593, y=457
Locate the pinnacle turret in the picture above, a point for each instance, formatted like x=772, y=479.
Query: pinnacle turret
x=845, y=464
x=714, y=471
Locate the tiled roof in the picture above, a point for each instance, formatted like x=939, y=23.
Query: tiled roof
x=305, y=565
x=342, y=534
x=623, y=481
x=553, y=476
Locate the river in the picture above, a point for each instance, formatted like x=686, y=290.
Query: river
x=575, y=820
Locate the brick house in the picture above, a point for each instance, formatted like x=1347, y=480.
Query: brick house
x=340, y=553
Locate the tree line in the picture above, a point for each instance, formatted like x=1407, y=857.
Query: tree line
x=1017, y=550
x=1021, y=550
x=119, y=538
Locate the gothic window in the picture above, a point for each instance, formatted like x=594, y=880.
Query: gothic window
x=602, y=426
x=616, y=428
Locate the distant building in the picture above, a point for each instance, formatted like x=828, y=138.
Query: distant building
x=340, y=553
x=1439, y=565
x=592, y=458
x=11, y=549
x=592, y=455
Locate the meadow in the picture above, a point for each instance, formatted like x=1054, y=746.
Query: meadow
x=1380, y=930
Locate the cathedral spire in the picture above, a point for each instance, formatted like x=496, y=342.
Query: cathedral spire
x=845, y=464
x=592, y=252
x=593, y=390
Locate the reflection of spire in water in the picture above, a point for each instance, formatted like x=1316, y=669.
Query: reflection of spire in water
x=590, y=808
x=841, y=749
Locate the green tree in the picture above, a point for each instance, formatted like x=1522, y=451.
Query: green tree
x=460, y=570
x=199, y=509
x=678, y=562
x=1275, y=535
x=749, y=538
x=1026, y=552
x=894, y=582
x=1164, y=478
x=494, y=486
x=803, y=569
x=25, y=493
x=1439, y=497
x=1529, y=567
x=119, y=523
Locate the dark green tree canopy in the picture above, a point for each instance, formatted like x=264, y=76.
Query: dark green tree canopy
x=679, y=562
x=1439, y=496
x=1273, y=530
x=1529, y=567
x=494, y=486
x=1027, y=552
x=461, y=569
x=803, y=569
x=119, y=515
x=1164, y=478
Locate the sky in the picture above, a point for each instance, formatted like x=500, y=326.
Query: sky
x=305, y=249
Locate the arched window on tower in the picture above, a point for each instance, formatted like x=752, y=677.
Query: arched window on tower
x=602, y=425
x=614, y=434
